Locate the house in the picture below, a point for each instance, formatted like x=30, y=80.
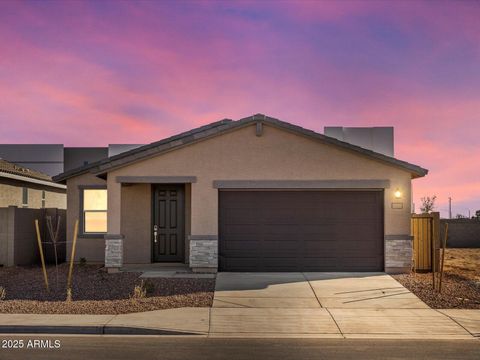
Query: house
x=257, y=194
x=27, y=188
x=54, y=159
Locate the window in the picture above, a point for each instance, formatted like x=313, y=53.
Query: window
x=43, y=199
x=94, y=211
x=25, y=197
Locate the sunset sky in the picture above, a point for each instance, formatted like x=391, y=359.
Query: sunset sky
x=91, y=73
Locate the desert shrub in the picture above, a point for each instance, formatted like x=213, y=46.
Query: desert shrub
x=139, y=291
x=428, y=204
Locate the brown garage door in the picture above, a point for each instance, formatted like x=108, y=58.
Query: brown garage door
x=301, y=230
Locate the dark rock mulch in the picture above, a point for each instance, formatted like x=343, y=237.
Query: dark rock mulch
x=94, y=291
x=458, y=292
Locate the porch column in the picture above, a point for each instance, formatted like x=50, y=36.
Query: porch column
x=204, y=227
x=114, y=238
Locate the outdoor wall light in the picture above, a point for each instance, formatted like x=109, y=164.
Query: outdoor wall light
x=398, y=194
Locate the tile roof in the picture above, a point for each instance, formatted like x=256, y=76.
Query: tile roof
x=103, y=166
x=14, y=169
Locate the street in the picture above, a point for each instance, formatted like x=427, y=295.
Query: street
x=166, y=348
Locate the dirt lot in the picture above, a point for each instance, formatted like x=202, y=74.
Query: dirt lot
x=461, y=282
x=96, y=292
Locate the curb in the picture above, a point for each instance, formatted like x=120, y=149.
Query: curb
x=87, y=330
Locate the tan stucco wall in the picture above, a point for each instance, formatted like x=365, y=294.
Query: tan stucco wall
x=137, y=223
x=55, y=200
x=237, y=155
x=12, y=195
x=276, y=155
x=92, y=249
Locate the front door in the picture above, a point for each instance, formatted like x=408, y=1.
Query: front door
x=168, y=223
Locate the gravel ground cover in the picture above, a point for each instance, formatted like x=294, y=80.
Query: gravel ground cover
x=94, y=291
x=460, y=286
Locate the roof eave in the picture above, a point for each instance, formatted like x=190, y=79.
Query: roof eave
x=32, y=180
x=102, y=167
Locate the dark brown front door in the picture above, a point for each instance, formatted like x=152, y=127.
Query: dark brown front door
x=301, y=230
x=168, y=223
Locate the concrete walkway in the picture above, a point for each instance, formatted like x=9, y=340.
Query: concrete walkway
x=276, y=305
x=348, y=305
x=260, y=323
x=181, y=321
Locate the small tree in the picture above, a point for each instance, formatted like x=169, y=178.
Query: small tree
x=428, y=204
x=477, y=214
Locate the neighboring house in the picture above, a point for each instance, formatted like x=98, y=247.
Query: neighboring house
x=257, y=194
x=27, y=188
x=54, y=159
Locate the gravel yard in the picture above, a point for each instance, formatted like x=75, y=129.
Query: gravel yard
x=461, y=282
x=96, y=292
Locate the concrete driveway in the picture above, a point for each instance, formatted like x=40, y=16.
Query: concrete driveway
x=332, y=305
x=313, y=290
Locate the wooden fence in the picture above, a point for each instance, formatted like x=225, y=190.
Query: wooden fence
x=426, y=241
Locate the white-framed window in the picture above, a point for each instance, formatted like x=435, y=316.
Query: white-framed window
x=93, y=207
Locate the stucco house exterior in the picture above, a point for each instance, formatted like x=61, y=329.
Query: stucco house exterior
x=256, y=194
x=27, y=188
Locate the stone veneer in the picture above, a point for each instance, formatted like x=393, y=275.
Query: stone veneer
x=113, y=252
x=398, y=253
x=204, y=253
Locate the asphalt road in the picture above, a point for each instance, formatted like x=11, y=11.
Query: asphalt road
x=165, y=348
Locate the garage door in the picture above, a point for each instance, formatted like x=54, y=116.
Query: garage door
x=300, y=230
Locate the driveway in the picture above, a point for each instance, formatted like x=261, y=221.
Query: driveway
x=332, y=305
x=313, y=290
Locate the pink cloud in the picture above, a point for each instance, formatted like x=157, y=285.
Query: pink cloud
x=139, y=71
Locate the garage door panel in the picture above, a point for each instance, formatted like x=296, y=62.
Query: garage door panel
x=301, y=230
x=239, y=264
x=308, y=231
x=240, y=245
x=241, y=216
x=320, y=246
x=319, y=264
x=272, y=247
x=234, y=230
x=280, y=264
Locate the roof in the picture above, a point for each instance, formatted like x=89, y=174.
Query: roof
x=11, y=168
x=16, y=172
x=100, y=168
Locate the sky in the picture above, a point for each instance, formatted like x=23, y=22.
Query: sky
x=89, y=73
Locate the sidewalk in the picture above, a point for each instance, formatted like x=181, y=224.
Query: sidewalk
x=261, y=322
x=181, y=321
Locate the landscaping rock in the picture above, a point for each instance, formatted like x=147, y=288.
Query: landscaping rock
x=94, y=291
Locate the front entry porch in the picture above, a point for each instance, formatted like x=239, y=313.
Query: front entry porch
x=148, y=222
x=156, y=219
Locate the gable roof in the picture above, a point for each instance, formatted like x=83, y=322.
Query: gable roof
x=100, y=168
x=16, y=172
